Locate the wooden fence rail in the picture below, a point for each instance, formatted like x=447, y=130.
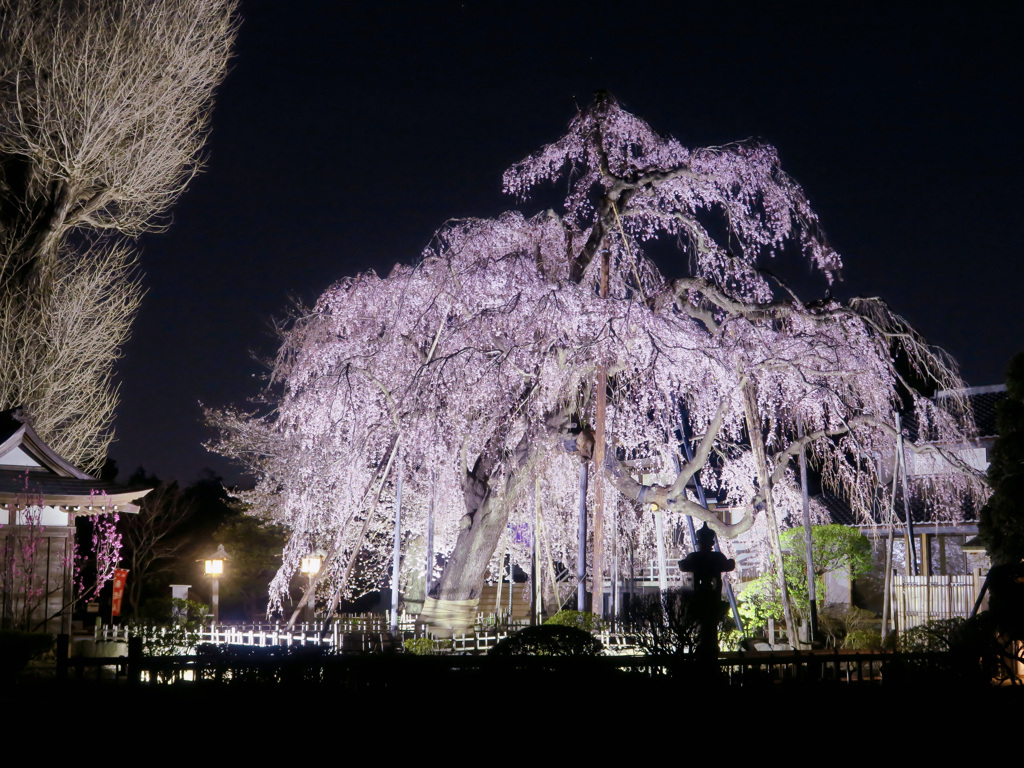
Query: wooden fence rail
x=369, y=672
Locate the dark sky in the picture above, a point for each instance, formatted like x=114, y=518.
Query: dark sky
x=341, y=139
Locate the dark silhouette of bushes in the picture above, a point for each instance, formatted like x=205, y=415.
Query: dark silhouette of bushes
x=549, y=640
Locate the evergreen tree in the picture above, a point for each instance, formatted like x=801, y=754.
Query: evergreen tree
x=1001, y=523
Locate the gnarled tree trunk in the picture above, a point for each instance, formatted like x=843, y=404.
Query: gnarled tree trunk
x=451, y=604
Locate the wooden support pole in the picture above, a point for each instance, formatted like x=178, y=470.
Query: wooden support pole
x=659, y=532
x=539, y=521
x=600, y=439
x=396, y=570
x=428, y=576
x=581, y=551
x=808, y=545
x=753, y=417
x=887, y=598
x=597, y=571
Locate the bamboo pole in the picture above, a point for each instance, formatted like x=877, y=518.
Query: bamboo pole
x=429, y=575
x=910, y=558
x=887, y=599
x=337, y=543
x=366, y=523
x=887, y=607
x=616, y=586
x=540, y=568
x=359, y=541
x=597, y=571
x=501, y=577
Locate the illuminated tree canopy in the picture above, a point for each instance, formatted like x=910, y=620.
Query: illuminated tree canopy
x=472, y=372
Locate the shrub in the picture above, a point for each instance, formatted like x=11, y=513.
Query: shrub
x=863, y=640
x=588, y=622
x=964, y=651
x=836, y=547
x=177, y=630
x=937, y=635
x=850, y=627
x=548, y=640
x=670, y=624
x=427, y=646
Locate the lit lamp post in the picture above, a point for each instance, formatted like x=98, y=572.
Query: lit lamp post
x=215, y=569
x=311, y=567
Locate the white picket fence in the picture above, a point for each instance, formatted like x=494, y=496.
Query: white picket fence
x=365, y=626
x=358, y=634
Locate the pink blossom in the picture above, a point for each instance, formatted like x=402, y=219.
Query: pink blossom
x=492, y=339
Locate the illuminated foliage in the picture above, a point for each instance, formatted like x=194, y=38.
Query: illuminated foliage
x=471, y=371
x=837, y=548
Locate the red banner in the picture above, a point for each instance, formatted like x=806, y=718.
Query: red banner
x=120, y=577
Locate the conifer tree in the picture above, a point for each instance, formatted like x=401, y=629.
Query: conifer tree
x=1001, y=522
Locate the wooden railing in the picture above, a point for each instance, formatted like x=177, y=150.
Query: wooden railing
x=835, y=666
x=354, y=673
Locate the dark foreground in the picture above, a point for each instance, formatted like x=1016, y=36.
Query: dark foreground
x=450, y=696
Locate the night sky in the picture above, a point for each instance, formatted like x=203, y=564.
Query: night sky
x=341, y=139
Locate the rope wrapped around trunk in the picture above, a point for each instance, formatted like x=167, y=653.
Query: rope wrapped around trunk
x=449, y=617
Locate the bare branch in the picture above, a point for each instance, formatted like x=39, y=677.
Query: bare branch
x=104, y=108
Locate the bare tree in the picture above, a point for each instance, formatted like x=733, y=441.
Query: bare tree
x=104, y=109
x=58, y=345
x=152, y=538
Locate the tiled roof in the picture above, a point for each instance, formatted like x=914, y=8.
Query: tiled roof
x=984, y=402
x=51, y=478
x=50, y=486
x=920, y=513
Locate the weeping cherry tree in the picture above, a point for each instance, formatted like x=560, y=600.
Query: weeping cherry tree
x=517, y=348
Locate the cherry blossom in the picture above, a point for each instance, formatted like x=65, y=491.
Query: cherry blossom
x=471, y=372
